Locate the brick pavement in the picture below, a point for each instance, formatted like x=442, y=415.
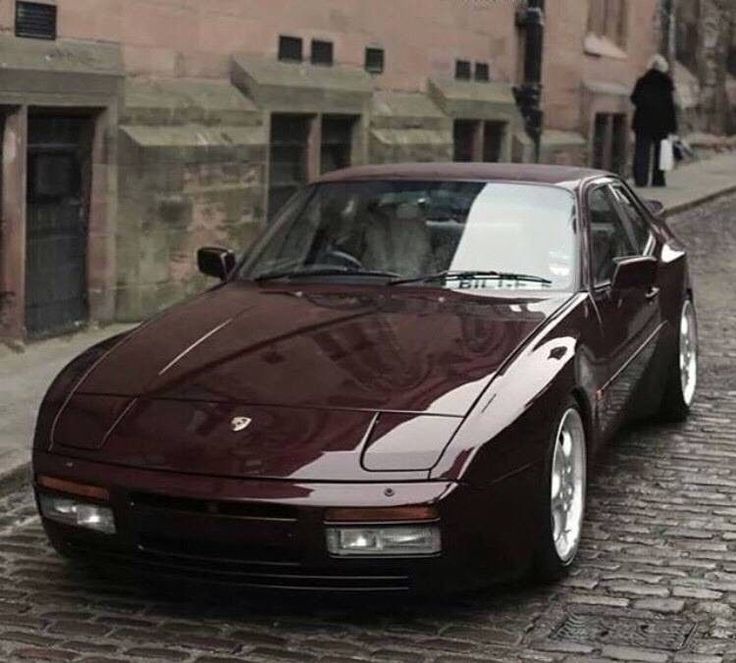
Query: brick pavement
x=656, y=579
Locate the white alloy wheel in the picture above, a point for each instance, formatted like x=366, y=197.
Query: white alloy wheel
x=688, y=352
x=567, y=485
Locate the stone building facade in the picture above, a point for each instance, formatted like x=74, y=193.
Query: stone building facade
x=703, y=47
x=135, y=131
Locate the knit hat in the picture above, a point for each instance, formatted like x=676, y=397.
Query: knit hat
x=659, y=63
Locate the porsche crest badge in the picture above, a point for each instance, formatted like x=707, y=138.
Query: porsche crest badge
x=239, y=424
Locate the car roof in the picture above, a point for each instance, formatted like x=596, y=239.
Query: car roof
x=567, y=176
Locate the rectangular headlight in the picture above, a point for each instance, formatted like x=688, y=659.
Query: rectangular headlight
x=389, y=540
x=71, y=511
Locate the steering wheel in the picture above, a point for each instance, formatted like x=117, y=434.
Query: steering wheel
x=341, y=259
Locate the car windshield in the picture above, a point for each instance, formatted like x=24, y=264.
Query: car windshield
x=456, y=234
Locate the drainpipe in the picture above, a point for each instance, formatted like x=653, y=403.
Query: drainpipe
x=669, y=14
x=529, y=93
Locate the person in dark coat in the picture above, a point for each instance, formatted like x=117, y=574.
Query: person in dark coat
x=654, y=120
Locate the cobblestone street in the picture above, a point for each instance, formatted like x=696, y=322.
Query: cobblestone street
x=655, y=581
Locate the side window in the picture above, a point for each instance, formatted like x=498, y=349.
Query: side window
x=638, y=225
x=608, y=237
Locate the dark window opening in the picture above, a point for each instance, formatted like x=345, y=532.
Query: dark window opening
x=618, y=143
x=687, y=45
x=375, y=60
x=478, y=141
x=322, y=52
x=288, y=158
x=599, y=140
x=462, y=70
x=465, y=133
x=687, y=33
x=610, y=141
x=493, y=135
x=290, y=48
x=482, y=71
x=35, y=20
x=337, y=143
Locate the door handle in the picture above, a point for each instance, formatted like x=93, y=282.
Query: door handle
x=652, y=294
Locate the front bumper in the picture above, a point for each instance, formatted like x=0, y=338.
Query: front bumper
x=265, y=534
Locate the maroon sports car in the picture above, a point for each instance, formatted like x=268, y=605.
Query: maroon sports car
x=400, y=386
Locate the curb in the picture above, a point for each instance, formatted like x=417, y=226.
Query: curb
x=679, y=208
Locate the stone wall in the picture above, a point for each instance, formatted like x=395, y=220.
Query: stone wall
x=716, y=20
x=191, y=172
x=183, y=38
x=408, y=127
x=705, y=37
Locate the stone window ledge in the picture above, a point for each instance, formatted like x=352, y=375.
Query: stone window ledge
x=602, y=47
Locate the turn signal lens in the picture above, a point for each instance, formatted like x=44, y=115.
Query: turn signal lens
x=381, y=514
x=74, y=488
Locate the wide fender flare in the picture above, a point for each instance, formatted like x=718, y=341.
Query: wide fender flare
x=508, y=429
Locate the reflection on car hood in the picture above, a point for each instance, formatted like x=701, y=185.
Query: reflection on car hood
x=406, y=349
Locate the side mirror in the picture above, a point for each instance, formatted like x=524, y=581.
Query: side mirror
x=638, y=272
x=655, y=207
x=216, y=262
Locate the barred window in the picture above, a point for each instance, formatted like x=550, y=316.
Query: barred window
x=35, y=20
x=463, y=70
x=482, y=71
x=322, y=52
x=375, y=60
x=290, y=48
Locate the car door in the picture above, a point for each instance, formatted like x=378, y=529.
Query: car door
x=629, y=321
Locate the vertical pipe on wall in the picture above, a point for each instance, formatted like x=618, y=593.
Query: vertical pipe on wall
x=529, y=93
x=669, y=40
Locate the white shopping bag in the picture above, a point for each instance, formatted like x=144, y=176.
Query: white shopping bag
x=666, y=155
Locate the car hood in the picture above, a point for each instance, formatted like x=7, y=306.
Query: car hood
x=326, y=384
x=410, y=349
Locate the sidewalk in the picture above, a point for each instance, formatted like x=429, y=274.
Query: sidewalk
x=25, y=376
x=695, y=183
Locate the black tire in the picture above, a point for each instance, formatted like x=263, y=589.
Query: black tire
x=548, y=564
x=676, y=404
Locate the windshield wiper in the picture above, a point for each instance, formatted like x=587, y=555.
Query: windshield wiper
x=331, y=271
x=468, y=275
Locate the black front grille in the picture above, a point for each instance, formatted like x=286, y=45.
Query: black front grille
x=35, y=20
x=267, y=575
x=202, y=550
x=230, y=508
x=248, y=544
